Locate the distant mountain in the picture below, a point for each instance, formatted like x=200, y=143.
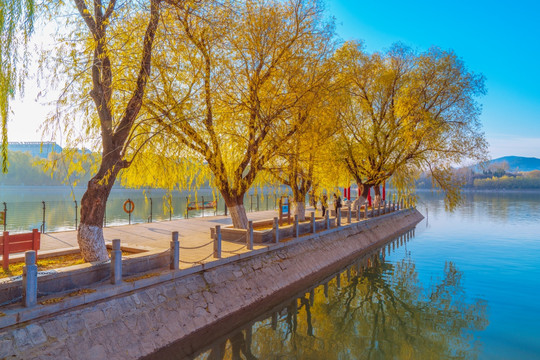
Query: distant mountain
x=519, y=163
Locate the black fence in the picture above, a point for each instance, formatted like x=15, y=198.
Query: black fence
x=64, y=215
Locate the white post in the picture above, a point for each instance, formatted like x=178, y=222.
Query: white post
x=217, y=242
x=366, y=210
x=175, y=252
x=116, y=262
x=29, y=279
x=296, y=229
x=249, y=238
x=276, y=230
x=327, y=220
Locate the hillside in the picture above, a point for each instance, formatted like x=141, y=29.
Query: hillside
x=519, y=163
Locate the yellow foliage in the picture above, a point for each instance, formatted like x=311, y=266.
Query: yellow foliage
x=404, y=112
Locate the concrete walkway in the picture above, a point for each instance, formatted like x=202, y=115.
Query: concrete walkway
x=194, y=232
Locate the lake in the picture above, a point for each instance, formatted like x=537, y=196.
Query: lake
x=462, y=285
x=58, y=207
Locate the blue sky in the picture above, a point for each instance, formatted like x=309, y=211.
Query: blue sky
x=498, y=39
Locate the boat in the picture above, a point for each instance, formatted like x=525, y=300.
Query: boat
x=201, y=205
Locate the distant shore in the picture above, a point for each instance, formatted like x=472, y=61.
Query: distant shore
x=472, y=190
x=205, y=188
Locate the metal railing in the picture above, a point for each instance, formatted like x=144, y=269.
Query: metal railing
x=64, y=215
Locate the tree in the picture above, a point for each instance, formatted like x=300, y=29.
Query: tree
x=16, y=27
x=405, y=112
x=499, y=169
x=246, y=62
x=114, y=135
x=103, y=62
x=306, y=161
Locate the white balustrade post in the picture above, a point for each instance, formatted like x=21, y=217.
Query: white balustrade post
x=296, y=228
x=116, y=262
x=175, y=252
x=217, y=242
x=276, y=230
x=29, y=279
x=249, y=236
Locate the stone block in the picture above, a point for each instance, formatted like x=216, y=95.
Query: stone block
x=21, y=338
x=36, y=333
x=6, y=348
x=97, y=352
x=93, y=318
x=74, y=324
x=54, y=329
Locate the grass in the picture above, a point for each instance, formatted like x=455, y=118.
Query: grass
x=271, y=226
x=146, y=276
x=54, y=262
x=44, y=264
x=71, y=294
x=263, y=227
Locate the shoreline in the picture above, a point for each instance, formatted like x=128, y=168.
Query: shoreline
x=144, y=320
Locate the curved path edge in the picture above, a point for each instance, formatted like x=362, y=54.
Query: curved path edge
x=142, y=321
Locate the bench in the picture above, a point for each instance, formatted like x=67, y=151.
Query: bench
x=10, y=244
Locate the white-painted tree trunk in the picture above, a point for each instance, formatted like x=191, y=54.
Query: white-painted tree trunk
x=91, y=243
x=239, y=216
x=300, y=210
x=359, y=201
x=376, y=200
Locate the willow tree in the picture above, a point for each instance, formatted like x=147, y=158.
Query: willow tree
x=405, y=112
x=16, y=26
x=306, y=163
x=246, y=59
x=103, y=62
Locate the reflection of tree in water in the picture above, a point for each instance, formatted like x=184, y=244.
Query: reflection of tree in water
x=383, y=312
x=240, y=348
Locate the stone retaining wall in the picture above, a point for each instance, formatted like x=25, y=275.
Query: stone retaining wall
x=135, y=324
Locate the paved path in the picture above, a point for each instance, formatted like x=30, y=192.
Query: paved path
x=193, y=232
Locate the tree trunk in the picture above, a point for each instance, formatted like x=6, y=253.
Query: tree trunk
x=93, y=202
x=238, y=216
x=90, y=232
x=377, y=198
x=235, y=205
x=300, y=210
x=362, y=197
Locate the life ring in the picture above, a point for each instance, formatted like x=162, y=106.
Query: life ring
x=131, y=206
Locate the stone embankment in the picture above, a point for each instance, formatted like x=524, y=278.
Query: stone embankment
x=138, y=323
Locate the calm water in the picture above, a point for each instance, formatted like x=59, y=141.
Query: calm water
x=465, y=286
x=62, y=206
